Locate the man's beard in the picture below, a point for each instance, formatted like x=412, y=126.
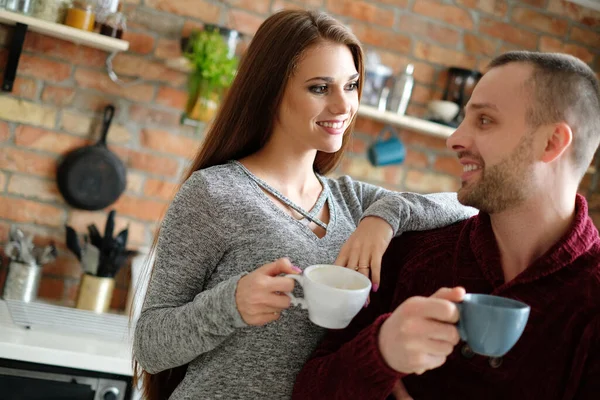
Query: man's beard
x=504, y=185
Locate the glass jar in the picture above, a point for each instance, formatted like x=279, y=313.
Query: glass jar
x=51, y=10
x=114, y=25
x=20, y=6
x=81, y=15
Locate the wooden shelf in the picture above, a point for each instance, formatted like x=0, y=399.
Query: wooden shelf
x=64, y=32
x=407, y=122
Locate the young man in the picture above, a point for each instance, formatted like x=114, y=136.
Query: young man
x=531, y=129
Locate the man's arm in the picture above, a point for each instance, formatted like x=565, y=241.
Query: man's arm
x=587, y=365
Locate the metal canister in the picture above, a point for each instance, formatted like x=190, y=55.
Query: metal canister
x=22, y=282
x=20, y=6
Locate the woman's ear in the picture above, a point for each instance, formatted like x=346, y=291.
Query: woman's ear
x=557, y=142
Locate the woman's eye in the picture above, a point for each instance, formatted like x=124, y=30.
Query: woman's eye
x=319, y=89
x=352, y=86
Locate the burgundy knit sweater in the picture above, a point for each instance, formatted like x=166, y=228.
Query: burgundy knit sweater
x=557, y=357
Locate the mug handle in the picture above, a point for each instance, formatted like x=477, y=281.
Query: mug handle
x=459, y=325
x=297, y=301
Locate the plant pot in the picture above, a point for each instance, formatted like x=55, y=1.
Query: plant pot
x=95, y=293
x=204, y=103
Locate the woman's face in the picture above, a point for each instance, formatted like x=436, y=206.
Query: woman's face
x=320, y=99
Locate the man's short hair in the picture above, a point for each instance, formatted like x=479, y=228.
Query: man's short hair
x=564, y=89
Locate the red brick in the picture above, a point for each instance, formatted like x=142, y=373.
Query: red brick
x=370, y=34
x=33, y=187
x=358, y=145
x=21, y=210
x=168, y=49
x=160, y=189
x=17, y=160
x=145, y=115
x=4, y=131
x=444, y=12
x=199, y=9
x=494, y=7
x=587, y=37
x=585, y=15
x=134, y=66
x=508, y=33
x=100, y=81
x=479, y=45
x=91, y=57
x=140, y=43
x=170, y=97
x=169, y=143
x=146, y=210
x=361, y=10
x=244, y=22
x=535, y=3
x=421, y=94
x=443, y=56
x=421, y=140
x=154, y=164
x=4, y=34
x=426, y=182
x=279, y=5
x=539, y=21
x=66, y=266
x=398, y=3
x=549, y=44
x=58, y=96
x=41, y=139
x=257, y=6
x=50, y=46
x=191, y=26
x=368, y=126
x=79, y=220
x=429, y=29
x=25, y=88
x=416, y=159
x=448, y=165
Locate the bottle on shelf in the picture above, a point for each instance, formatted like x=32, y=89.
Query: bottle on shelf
x=401, y=91
x=114, y=24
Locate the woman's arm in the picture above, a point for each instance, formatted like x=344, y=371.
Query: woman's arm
x=180, y=320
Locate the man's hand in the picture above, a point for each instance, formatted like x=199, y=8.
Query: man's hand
x=420, y=333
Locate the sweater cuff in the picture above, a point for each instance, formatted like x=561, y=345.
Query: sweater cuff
x=378, y=360
x=386, y=210
x=372, y=374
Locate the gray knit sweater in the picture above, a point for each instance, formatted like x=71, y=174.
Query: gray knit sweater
x=220, y=226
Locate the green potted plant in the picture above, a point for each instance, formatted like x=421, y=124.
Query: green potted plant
x=213, y=68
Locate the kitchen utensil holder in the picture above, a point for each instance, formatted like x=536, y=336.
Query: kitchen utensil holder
x=95, y=293
x=22, y=281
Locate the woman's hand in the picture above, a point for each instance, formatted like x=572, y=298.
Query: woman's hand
x=260, y=294
x=365, y=247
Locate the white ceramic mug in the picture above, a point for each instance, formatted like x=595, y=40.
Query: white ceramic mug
x=333, y=295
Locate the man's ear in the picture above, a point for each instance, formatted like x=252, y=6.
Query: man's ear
x=557, y=142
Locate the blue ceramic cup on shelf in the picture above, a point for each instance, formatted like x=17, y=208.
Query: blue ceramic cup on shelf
x=491, y=325
x=387, y=151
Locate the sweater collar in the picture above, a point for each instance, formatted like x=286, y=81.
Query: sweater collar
x=576, y=241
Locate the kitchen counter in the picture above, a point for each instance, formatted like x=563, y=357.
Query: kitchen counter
x=81, y=351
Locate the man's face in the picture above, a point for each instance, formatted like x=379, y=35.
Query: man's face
x=494, y=143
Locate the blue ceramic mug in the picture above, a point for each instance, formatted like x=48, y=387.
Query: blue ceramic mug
x=491, y=325
x=387, y=151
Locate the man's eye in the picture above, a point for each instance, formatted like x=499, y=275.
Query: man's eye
x=319, y=89
x=483, y=120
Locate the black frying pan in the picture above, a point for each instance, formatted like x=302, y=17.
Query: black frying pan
x=92, y=177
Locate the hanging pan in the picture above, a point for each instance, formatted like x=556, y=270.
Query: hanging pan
x=92, y=177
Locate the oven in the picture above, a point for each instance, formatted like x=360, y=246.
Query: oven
x=29, y=381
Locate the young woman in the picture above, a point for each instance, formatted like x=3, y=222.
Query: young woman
x=256, y=204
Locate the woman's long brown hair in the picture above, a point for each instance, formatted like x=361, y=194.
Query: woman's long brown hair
x=245, y=120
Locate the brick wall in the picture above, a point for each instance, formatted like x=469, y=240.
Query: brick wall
x=61, y=89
